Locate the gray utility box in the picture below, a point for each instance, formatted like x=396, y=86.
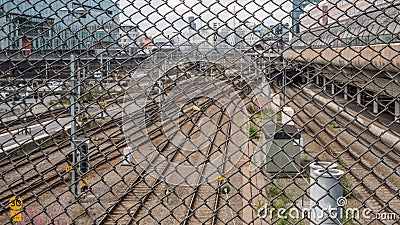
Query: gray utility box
x=283, y=154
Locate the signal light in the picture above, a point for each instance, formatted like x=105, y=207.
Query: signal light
x=84, y=157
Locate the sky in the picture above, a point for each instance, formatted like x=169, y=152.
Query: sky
x=167, y=17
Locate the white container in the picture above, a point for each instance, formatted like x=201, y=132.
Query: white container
x=326, y=193
x=321, y=165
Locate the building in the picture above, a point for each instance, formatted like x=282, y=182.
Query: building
x=215, y=35
x=275, y=36
x=22, y=29
x=129, y=38
x=222, y=36
x=59, y=25
x=277, y=32
x=192, y=23
x=298, y=9
x=354, y=47
x=216, y=26
x=190, y=37
x=327, y=12
x=245, y=37
x=146, y=44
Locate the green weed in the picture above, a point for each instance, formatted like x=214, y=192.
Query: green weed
x=254, y=132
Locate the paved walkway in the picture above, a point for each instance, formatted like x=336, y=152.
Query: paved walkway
x=15, y=138
x=18, y=137
x=254, y=185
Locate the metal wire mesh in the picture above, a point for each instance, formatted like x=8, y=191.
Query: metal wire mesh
x=199, y=112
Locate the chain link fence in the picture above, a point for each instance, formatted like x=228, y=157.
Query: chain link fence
x=199, y=112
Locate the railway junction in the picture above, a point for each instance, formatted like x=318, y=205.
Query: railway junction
x=233, y=122
x=154, y=181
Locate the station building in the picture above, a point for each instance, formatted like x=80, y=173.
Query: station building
x=129, y=38
x=352, y=48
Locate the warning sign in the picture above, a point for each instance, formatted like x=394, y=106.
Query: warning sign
x=68, y=169
x=16, y=216
x=220, y=178
x=15, y=203
x=84, y=181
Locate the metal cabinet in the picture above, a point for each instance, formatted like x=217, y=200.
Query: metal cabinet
x=283, y=154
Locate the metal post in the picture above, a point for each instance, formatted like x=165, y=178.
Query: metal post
x=84, y=73
x=101, y=64
x=269, y=62
x=256, y=67
x=108, y=69
x=159, y=92
x=241, y=64
x=73, y=128
x=26, y=111
x=161, y=87
x=359, y=96
x=284, y=81
x=79, y=91
x=396, y=110
x=375, y=104
x=82, y=87
x=263, y=67
x=87, y=53
x=200, y=66
x=47, y=75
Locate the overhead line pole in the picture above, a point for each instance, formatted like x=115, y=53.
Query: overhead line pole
x=73, y=128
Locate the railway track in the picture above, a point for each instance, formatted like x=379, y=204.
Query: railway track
x=32, y=119
x=132, y=205
x=137, y=195
x=36, y=153
x=6, y=126
x=40, y=153
x=371, y=175
x=55, y=175
x=31, y=186
x=204, y=203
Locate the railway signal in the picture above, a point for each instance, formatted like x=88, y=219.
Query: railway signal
x=83, y=157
